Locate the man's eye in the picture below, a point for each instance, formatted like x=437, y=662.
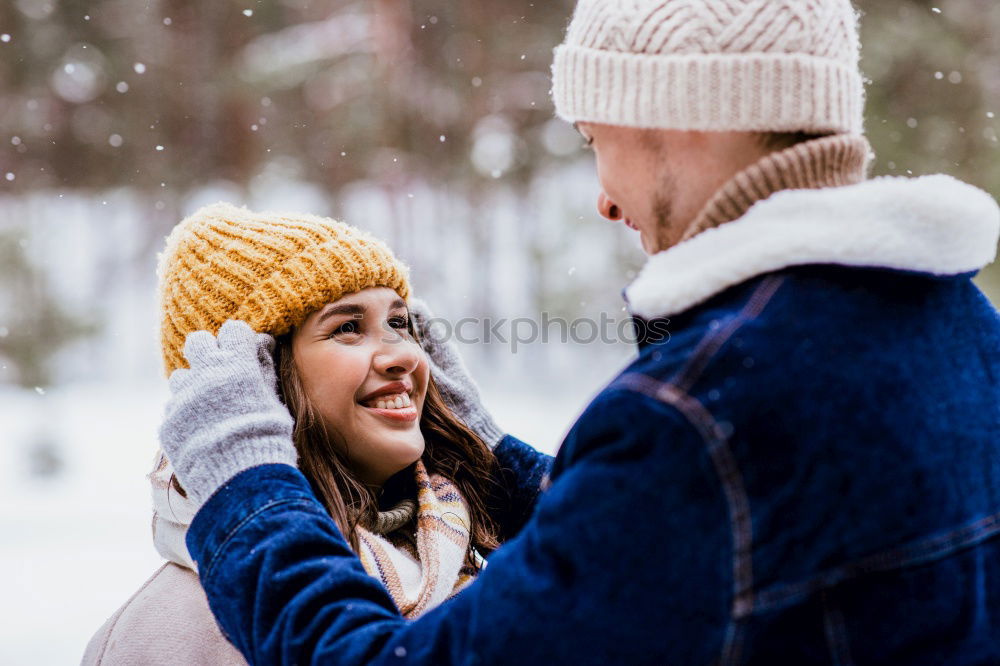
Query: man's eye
x=347, y=328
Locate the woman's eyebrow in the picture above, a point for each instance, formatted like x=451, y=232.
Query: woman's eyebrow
x=345, y=308
x=397, y=304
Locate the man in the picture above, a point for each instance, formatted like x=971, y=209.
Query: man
x=805, y=471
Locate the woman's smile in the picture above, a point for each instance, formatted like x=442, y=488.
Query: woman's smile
x=391, y=402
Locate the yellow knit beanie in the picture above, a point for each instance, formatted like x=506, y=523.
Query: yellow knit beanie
x=270, y=270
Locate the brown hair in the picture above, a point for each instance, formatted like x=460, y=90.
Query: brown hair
x=451, y=450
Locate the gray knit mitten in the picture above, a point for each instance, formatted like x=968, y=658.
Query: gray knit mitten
x=224, y=415
x=457, y=388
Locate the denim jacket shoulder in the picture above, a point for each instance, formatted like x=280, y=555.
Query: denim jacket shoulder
x=852, y=434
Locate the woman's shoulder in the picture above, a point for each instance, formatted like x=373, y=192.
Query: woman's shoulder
x=167, y=621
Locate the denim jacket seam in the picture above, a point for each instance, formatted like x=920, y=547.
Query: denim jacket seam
x=710, y=345
x=240, y=525
x=927, y=549
x=730, y=479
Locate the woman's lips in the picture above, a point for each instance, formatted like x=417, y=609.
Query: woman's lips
x=399, y=415
x=394, y=407
x=631, y=225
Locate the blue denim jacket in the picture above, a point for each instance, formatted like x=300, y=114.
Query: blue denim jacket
x=805, y=470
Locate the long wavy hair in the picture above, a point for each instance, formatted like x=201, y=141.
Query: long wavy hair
x=451, y=449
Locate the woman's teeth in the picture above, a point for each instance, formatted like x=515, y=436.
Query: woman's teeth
x=398, y=401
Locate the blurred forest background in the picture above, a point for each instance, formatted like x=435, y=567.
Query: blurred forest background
x=427, y=122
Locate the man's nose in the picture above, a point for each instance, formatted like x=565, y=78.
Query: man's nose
x=608, y=208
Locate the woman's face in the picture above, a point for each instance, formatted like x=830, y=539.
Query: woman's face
x=367, y=378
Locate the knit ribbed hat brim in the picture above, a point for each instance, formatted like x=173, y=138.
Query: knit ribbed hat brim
x=720, y=92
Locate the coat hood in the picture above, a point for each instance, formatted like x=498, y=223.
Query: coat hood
x=933, y=224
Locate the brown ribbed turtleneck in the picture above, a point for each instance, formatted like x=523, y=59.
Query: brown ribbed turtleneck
x=832, y=161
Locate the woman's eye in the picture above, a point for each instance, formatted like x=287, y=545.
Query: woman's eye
x=347, y=328
x=398, y=322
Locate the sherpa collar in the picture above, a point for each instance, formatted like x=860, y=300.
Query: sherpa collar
x=933, y=224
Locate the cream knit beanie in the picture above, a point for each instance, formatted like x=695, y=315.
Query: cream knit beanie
x=712, y=65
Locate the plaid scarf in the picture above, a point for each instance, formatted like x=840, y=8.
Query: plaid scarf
x=419, y=569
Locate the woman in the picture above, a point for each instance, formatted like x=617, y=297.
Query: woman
x=419, y=479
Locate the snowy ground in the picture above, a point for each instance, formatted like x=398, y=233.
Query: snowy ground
x=74, y=547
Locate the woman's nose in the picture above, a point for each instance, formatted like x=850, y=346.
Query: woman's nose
x=397, y=354
x=608, y=208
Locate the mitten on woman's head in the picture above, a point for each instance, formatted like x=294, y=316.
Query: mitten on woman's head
x=270, y=270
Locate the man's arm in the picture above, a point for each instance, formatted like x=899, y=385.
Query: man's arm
x=624, y=561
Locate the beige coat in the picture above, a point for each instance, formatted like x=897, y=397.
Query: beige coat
x=166, y=622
